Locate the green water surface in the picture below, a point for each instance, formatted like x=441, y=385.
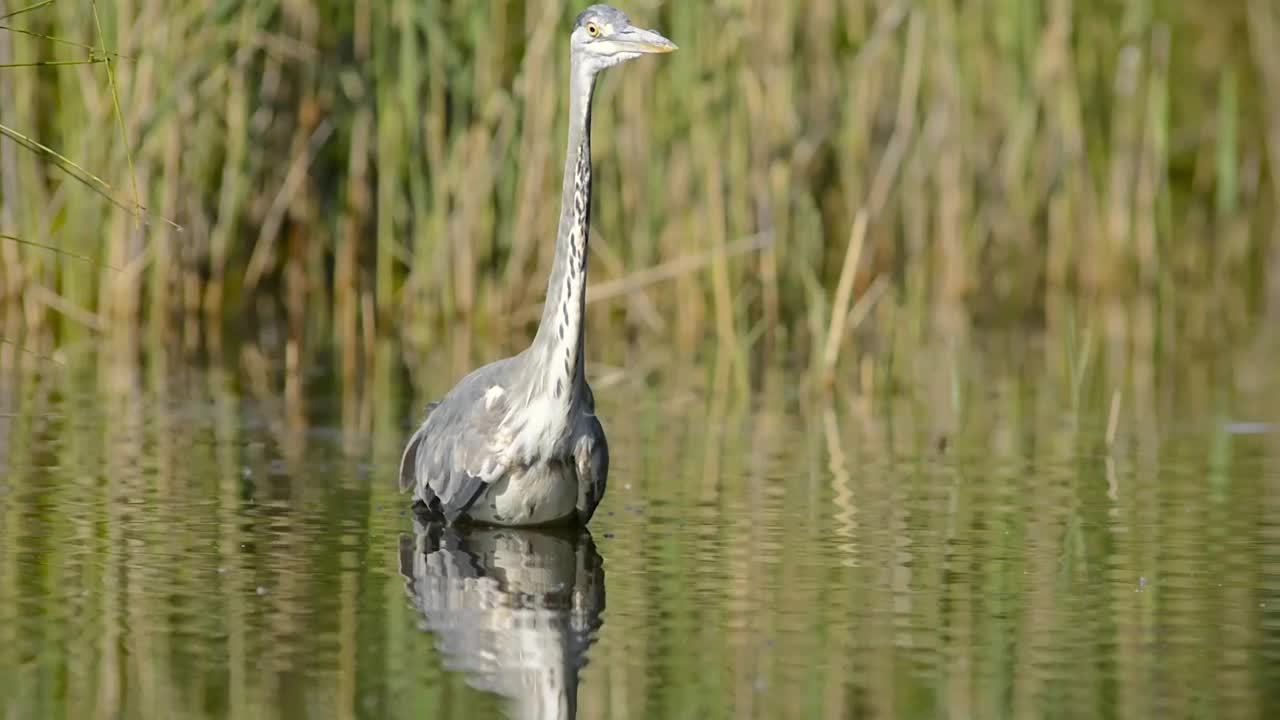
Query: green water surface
x=994, y=533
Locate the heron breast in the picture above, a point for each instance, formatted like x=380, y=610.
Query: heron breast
x=541, y=494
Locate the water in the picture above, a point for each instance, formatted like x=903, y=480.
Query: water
x=223, y=539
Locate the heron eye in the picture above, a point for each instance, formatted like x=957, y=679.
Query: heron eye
x=593, y=30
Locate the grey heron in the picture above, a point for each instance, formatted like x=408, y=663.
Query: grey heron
x=517, y=442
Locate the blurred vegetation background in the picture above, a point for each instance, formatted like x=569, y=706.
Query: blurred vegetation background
x=860, y=187
x=797, y=174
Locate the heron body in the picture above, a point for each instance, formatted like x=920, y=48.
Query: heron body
x=517, y=442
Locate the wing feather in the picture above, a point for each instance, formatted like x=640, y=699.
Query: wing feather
x=452, y=456
x=407, y=460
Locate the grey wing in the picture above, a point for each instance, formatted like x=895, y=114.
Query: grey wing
x=455, y=452
x=407, y=466
x=591, y=456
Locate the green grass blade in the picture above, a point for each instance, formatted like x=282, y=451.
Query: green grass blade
x=86, y=178
x=115, y=101
x=51, y=63
x=27, y=9
x=58, y=250
x=61, y=41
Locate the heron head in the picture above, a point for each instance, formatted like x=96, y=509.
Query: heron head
x=604, y=36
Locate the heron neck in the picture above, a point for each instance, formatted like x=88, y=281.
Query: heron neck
x=559, y=342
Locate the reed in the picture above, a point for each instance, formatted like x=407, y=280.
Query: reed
x=380, y=167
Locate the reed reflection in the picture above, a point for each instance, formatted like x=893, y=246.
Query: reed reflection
x=513, y=610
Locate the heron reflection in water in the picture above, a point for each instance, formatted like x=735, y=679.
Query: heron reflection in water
x=513, y=610
x=517, y=442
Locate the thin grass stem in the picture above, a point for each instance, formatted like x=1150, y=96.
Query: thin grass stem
x=58, y=250
x=115, y=102
x=52, y=63
x=26, y=9
x=62, y=41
